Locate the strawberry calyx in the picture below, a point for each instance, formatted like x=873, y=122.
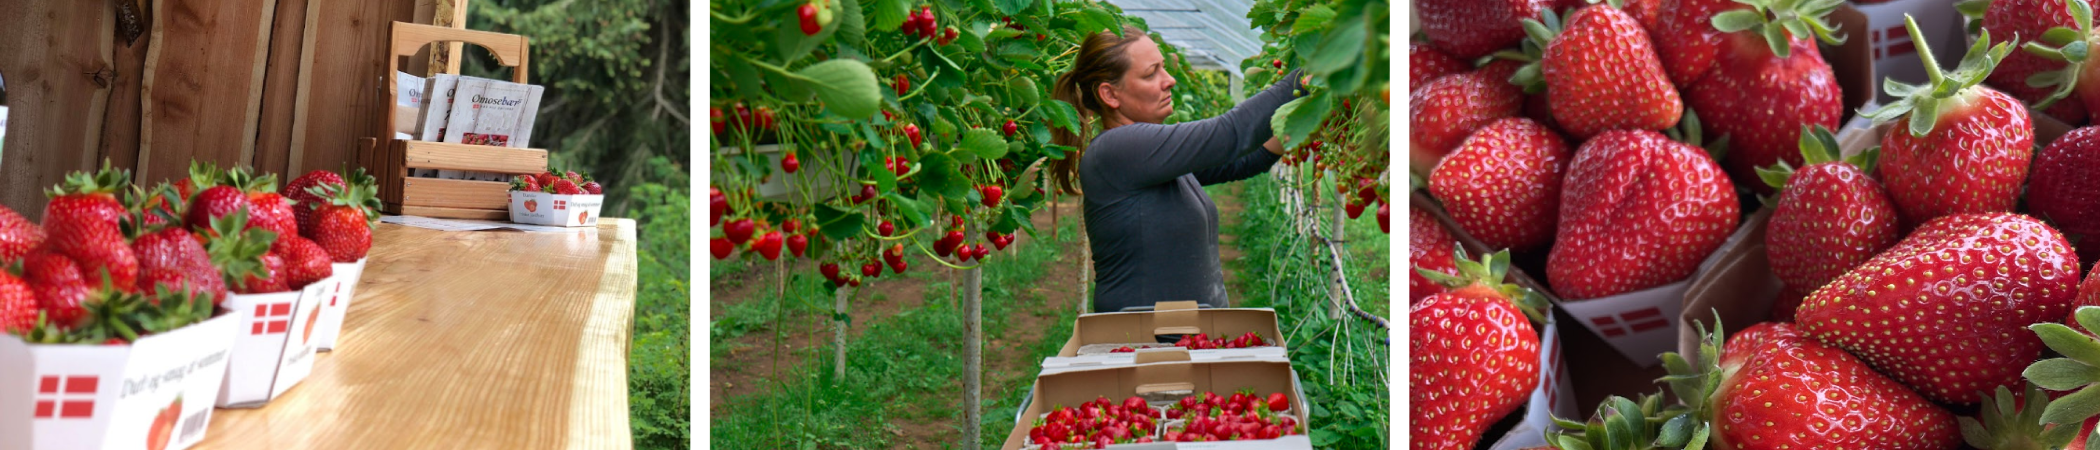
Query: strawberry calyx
x=1690, y=132
x=1817, y=146
x=2070, y=46
x=2078, y=369
x=1942, y=91
x=1538, y=33
x=2009, y=424
x=106, y=181
x=1488, y=273
x=236, y=249
x=1645, y=423
x=1781, y=20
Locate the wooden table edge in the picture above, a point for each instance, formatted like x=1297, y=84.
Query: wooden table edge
x=599, y=419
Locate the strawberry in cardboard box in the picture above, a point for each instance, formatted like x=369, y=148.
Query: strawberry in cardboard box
x=85, y=363
x=566, y=200
x=337, y=215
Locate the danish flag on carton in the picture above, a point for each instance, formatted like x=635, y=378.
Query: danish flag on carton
x=541, y=208
x=273, y=344
x=335, y=303
x=154, y=394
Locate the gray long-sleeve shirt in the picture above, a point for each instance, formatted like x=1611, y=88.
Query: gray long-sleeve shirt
x=1153, y=230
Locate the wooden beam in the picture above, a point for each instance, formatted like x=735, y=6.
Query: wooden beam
x=56, y=57
x=273, y=140
x=203, y=86
x=337, y=93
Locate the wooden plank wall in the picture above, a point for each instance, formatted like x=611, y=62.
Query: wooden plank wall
x=282, y=85
x=55, y=56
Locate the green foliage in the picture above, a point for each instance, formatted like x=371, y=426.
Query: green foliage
x=659, y=369
x=1342, y=363
x=904, y=367
x=818, y=96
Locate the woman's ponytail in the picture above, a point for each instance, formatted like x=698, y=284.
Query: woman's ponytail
x=1100, y=61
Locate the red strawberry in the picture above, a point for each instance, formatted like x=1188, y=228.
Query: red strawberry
x=1686, y=40
x=1474, y=354
x=270, y=279
x=885, y=228
x=343, y=225
x=718, y=204
x=1385, y=212
x=1426, y=63
x=1779, y=389
x=796, y=244
x=721, y=247
x=768, y=245
x=1829, y=218
x=592, y=187
x=2027, y=20
x=1278, y=403
x=1601, y=73
x=58, y=285
x=2064, y=189
x=911, y=131
x=18, y=305
x=267, y=210
x=525, y=183
x=304, y=261
x=1451, y=107
x=18, y=236
x=739, y=230
x=82, y=222
x=992, y=195
x=1914, y=312
x=807, y=13
x=1010, y=128
x=870, y=269
x=1503, y=184
x=1429, y=247
x=176, y=260
x=1637, y=211
x=548, y=178
x=1471, y=29
x=1965, y=151
x=564, y=187
x=1760, y=102
x=211, y=203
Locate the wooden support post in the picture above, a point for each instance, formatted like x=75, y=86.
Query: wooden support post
x=973, y=355
x=1334, y=287
x=838, y=332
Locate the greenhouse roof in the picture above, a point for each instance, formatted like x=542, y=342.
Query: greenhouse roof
x=1212, y=34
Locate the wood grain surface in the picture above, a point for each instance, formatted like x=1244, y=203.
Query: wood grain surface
x=485, y=339
x=55, y=56
x=204, y=84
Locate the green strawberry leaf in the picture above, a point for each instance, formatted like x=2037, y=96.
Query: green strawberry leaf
x=2074, y=408
x=846, y=87
x=2061, y=374
x=839, y=224
x=984, y=143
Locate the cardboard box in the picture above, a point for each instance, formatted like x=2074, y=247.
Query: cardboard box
x=114, y=396
x=1168, y=319
x=1890, y=49
x=340, y=287
x=1553, y=397
x=1165, y=370
x=273, y=346
x=541, y=208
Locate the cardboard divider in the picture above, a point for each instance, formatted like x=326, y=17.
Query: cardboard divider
x=1171, y=318
x=339, y=289
x=273, y=348
x=158, y=389
x=1074, y=387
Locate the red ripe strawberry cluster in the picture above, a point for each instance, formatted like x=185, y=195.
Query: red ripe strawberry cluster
x=1201, y=341
x=112, y=262
x=1895, y=262
x=1328, y=148
x=813, y=16
x=742, y=118
x=1242, y=417
x=567, y=183
x=1098, y=423
x=924, y=25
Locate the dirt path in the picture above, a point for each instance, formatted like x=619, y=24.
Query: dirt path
x=750, y=361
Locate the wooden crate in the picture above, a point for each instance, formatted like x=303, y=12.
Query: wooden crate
x=391, y=160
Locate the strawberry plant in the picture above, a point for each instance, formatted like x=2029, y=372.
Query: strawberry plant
x=894, y=126
x=1338, y=126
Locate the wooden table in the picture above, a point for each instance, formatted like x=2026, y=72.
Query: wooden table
x=477, y=339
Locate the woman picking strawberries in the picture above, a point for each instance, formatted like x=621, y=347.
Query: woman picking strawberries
x=1153, y=230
